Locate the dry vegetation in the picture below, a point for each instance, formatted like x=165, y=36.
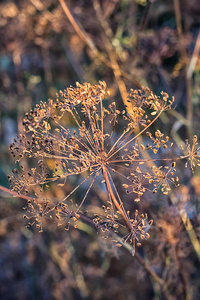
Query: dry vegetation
x=118, y=169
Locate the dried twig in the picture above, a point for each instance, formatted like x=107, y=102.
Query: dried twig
x=112, y=55
x=88, y=41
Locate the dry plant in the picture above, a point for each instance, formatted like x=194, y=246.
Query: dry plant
x=79, y=138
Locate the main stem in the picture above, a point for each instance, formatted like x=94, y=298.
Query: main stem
x=119, y=207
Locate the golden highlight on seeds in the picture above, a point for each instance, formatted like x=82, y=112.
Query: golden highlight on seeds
x=79, y=137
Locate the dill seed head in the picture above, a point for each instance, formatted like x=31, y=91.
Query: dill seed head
x=76, y=135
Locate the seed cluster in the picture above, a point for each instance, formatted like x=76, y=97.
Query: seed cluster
x=79, y=134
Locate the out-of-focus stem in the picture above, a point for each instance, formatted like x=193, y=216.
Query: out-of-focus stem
x=149, y=270
x=4, y=189
x=88, y=41
x=108, y=36
x=190, y=68
x=188, y=226
x=142, y=26
x=185, y=64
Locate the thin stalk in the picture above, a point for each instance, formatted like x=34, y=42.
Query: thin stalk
x=149, y=270
x=15, y=194
x=118, y=206
x=102, y=128
x=146, y=160
x=184, y=56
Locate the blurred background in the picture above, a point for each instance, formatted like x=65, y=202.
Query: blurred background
x=48, y=45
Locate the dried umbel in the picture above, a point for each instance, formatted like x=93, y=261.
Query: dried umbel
x=79, y=135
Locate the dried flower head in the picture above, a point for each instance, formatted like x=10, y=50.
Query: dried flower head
x=79, y=135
